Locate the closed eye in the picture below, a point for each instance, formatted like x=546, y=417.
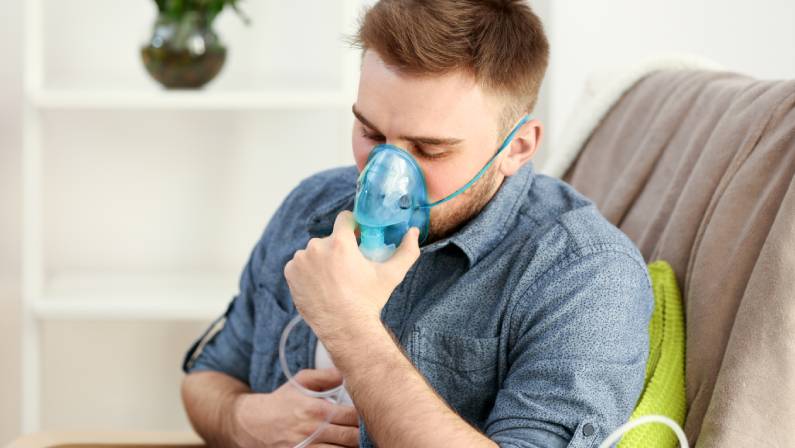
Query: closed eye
x=372, y=136
x=427, y=155
x=418, y=150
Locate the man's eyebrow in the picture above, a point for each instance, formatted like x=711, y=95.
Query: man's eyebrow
x=364, y=121
x=433, y=141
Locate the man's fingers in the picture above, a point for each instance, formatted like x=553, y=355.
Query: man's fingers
x=407, y=253
x=344, y=226
x=339, y=435
x=345, y=415
x=319, y=379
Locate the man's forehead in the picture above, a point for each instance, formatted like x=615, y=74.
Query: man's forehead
x=451, y=102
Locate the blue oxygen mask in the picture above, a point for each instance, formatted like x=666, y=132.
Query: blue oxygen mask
x=391, y=197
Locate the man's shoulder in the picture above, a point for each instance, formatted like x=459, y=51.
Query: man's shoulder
x=286, y=230
x=563, y=214
x=315, y=193
x=567, y=226
x=577, y=260
x=325, y=187
x=338, y=179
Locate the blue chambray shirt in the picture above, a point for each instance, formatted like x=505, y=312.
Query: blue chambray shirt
x=531, y=320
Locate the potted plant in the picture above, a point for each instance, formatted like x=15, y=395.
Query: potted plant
x=184, y=51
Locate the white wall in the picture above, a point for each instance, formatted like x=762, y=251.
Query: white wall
x=10, y=143
x=757, y=38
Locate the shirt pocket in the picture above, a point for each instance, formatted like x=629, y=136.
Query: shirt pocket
x=461, y=369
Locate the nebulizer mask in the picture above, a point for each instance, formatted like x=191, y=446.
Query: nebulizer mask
x=391, y=197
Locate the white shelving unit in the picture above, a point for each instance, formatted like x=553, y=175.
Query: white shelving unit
x=134, y=297
x=113, y=100
x=87, y=294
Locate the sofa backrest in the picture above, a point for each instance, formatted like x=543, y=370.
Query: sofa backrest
x=697, y=168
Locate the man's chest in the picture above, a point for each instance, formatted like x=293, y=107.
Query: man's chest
x=447, y=317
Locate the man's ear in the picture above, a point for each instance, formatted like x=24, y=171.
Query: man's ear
x=523, y=147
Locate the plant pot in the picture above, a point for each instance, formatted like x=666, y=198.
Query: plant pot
x=184, y=53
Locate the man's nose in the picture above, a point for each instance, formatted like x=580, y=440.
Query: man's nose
x=402, y=144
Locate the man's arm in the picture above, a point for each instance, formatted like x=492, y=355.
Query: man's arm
x=226, y=413
x=340, y=295
x=398, y=406
x=218, y=365
x=209, y=399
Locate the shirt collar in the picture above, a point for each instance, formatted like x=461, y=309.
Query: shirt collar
x=475, y=239
x=486, y=229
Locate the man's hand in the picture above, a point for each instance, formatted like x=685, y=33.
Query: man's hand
x=285, y=417
x=335, y=287
x=340, y=294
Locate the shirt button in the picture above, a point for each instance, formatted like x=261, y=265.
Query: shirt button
x=587, y=430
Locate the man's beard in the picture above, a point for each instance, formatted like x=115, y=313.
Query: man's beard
x=450, y=216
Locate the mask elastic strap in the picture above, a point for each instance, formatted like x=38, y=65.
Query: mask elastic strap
x=504, y=145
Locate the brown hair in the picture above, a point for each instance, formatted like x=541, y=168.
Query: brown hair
x=500, y=42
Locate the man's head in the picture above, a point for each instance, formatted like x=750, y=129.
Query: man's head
x=447, y=80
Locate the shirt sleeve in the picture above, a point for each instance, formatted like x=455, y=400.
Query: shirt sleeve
x=578, y=345
x=226, y=345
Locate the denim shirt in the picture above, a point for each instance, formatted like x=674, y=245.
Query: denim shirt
x=530, y=321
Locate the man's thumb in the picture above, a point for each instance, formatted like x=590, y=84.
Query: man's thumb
x=319, y=379
x=408, y=251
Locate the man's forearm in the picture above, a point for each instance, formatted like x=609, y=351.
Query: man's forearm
x=398, y=406
x=209, y=399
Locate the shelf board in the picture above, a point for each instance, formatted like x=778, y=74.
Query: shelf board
x=71, y=99
x=93, y=309
x=125, y=297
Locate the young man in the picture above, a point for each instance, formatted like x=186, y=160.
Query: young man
x=521, y=321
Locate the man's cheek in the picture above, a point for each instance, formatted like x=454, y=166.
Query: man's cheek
x=443, y=178
x=436, y=182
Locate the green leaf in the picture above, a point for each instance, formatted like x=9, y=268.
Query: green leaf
x=208, y=10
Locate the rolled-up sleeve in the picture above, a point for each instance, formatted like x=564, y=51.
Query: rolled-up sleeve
x=578, y=346
x=226, y=345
